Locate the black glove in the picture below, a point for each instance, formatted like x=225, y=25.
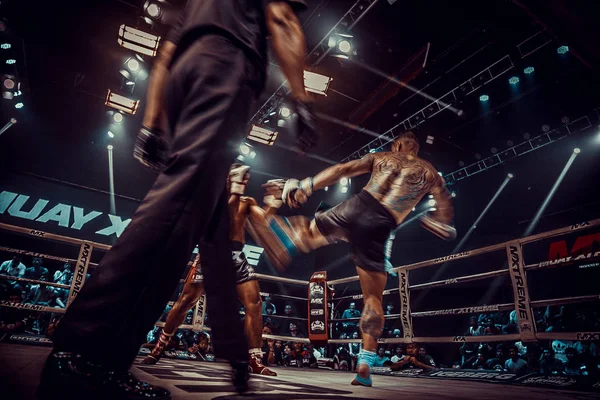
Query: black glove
x=307, y=135
x=151, y=148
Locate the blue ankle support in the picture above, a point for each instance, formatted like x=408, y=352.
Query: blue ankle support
x=367, y=357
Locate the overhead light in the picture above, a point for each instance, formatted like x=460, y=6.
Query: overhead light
x=430, y=139
x=130, y=83
x=266, y=121
x=529, y=70
x=513, y=80
x=344, y=181
x=280, y=123
x=440, y=174
x=453, y=194
x=122, y=103
x=245, y=149
x=484, y=97
x=326, y=188
x=118, y=117
x=344, y=189
x=576, y=150
x=316, y=83
x=5, y=46
x=272, y=113
x=562, y=49
x=431, y=203
x=9, y=82
x=19, y=105
x=138, y=41
x=285, y=112
x=262, y=135
x=11, y=61
x=109, y=147
x=111, y=135
x=153, y=9
x=133, y=64
x=252, y=154
x=414, y=209
x=342, y=44
x=510, y=176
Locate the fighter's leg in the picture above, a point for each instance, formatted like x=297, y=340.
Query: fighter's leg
x=249, y=295
x=283, y=238
x=371, y=322
x=192, y=291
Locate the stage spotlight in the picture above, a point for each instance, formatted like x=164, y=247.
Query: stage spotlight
x=285, y=112
x=316, y=83
x=344, y=46
x=133, y=64
x=529, y=70
x=431, y=203
x=153, y=9
x=344, y=181
x=5, y=46
x=453, y=194
x=344, y=189
x=576, y=150
x=118, y=117
x=430, y=139
x=414, y=208
x=262, y=135
x=245, y=149
x=562, y=49
x=109, y=147
x=9, y=83
x=484, y=97
x=514, y=80
x=138, y=41
x=121, y=103
x=280, y=123
x=510, y=176
x=440, y=173
x=252, y=154
x=111, y=135
x=326, y=188
x=130, y=83
x=342, y=43
x=19, y=105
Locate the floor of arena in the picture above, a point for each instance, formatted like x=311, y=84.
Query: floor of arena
x=22, y=364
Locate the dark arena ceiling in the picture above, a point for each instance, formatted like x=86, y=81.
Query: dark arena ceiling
x=418, y=65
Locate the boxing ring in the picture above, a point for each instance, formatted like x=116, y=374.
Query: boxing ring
x=516, y=266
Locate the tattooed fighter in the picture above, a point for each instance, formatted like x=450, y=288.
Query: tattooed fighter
x=399, y=180
x=247, y=284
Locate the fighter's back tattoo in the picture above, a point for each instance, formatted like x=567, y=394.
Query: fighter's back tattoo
x=400, y=180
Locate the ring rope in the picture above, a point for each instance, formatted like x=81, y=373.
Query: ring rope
x=51, y=236
x=45, y=283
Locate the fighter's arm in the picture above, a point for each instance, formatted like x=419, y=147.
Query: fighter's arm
x=289, y=45
x=439, y=222
x=155, y=98
x=333, y=174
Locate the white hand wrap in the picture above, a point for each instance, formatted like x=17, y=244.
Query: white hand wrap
x=274, y=201
x=290, y=187
x=441, y=230
x=238, y=179
x=306, y=185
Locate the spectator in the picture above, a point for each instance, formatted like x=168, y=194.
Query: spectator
x=491, y=328
x=480, y=362
x=242, y=313
x=381, y=359
x=468, y=355
x=512, y=326
x=497, y=362
x=550, y=365
x=293, y=331
x=573, y=366
x=355, y=347
x=13, y=267
x=425, y=358
x=12, y=320
x=351, y=312
x=37, y=271
x=533, y=362
x=288, y=312
x=474, y=328
x=268, y=347
x=267, y=302
x=268, y=320
x=399, y=356
x=515, y=364
x=63, y=277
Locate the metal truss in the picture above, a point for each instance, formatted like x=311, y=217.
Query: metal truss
x=503, y=65
x=482, y=78
x=358, y=10
x=551, y=136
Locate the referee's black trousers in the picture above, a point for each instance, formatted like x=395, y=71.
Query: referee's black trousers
x=211, y=89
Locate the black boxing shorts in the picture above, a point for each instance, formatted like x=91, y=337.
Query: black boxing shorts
x=243, y=270
x=362, y=222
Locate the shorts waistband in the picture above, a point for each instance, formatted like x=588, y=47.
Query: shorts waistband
x=236, y=246
x=375, y=205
